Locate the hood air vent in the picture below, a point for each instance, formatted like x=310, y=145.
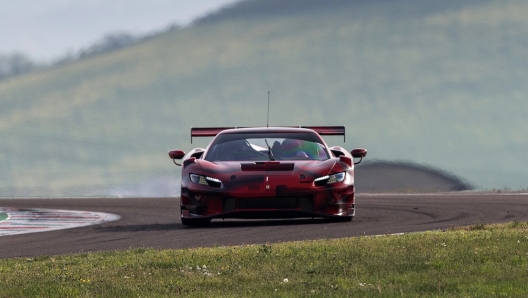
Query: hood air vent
x=267, y=166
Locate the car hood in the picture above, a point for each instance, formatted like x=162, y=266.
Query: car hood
x=310, y=169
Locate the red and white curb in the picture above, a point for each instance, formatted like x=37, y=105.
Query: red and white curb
x=23, y=221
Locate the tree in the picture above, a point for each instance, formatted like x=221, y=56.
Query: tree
x=109, y=43
x=15, y=64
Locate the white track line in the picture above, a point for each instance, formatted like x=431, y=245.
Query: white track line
x=23, y=221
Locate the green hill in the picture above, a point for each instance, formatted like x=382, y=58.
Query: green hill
x=436, y=84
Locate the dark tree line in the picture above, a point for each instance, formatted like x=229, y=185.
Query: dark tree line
x=15, y=64
x=265, y=9
x=107, y=44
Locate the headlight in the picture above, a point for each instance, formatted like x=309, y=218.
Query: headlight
x=204, y=180
x=329, y=179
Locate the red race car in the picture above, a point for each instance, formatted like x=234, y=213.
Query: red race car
x=267, y=172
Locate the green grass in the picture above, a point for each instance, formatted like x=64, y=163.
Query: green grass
x=476, y=261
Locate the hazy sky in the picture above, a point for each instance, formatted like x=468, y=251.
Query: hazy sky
x=46, y=29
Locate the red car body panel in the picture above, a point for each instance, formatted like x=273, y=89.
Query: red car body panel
x=282, y=188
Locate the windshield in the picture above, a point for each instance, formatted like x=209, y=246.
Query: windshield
x=254, y=147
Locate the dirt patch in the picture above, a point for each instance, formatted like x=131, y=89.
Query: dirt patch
x=398, y=176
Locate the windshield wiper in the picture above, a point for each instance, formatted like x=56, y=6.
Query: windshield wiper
x=270, y=153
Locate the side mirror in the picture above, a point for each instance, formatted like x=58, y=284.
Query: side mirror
x=359, y=153
x=176, y=154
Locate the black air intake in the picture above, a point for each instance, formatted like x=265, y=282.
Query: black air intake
x=265, y=167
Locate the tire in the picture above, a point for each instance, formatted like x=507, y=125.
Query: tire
x=195, y=222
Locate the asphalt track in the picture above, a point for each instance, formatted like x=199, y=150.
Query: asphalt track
x=154, y=222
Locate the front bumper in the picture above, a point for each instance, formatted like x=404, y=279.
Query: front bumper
x=327, y=202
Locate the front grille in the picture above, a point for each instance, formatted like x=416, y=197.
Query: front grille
x=284, y=203
x=268, y=203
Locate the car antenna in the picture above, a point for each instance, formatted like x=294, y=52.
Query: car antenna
x=267, y=121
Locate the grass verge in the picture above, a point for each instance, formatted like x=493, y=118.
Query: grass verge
x=476, y=261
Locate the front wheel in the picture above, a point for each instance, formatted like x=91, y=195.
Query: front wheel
x=195, y=222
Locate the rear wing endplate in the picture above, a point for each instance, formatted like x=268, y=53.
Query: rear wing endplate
x=321, y=130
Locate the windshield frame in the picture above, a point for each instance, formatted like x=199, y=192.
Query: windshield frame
x=312, y=144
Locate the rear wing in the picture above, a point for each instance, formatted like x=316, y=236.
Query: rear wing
x=321, y=130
